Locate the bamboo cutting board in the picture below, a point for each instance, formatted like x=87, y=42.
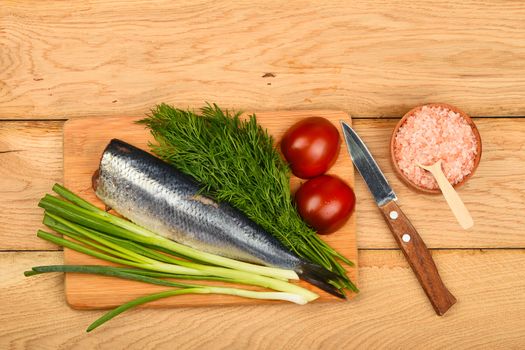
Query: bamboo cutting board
x=84, y=141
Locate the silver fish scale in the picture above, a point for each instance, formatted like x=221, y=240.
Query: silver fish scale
x=158, y=197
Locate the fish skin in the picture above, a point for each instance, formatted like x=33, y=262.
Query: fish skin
x=157, y=196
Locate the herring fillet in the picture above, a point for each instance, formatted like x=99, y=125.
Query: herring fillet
x=157, y=196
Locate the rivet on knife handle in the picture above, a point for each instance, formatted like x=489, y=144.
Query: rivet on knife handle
x=419, y=257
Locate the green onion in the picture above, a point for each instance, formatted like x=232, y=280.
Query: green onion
x=189, y=268
x=135, y=275
x=132, y=274
x=137, y=260
x=97, y=219
x=202, y=290
x=150, y=258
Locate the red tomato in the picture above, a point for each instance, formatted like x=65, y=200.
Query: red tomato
x=325, y=203
x=311, y=147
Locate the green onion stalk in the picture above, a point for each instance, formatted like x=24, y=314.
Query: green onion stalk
x=94, y=225
x=148, y=257
x=137, y=275
x=89, y=215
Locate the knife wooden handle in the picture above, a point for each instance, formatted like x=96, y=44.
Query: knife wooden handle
x=419, y=257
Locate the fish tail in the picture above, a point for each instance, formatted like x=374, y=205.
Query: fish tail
x=319, y=277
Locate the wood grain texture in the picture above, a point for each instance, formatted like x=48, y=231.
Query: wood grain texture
x=30, y=163
x=392, y=312
x=64, y=60
x=105, y=58
x=84, y=142
x=495, y=195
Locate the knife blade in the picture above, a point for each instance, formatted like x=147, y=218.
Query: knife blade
x=406, y=236
x=367, y=167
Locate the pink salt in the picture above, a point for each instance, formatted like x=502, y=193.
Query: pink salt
x=431, y=134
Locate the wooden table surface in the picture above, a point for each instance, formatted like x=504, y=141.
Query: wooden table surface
x=371, y=59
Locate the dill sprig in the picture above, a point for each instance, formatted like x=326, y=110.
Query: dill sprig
x=236, y=161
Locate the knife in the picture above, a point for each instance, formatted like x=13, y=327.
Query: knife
x=406, y=236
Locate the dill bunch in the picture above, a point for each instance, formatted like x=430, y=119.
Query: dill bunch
x=236, y=161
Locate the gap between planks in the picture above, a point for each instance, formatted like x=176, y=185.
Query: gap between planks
x=359, y=249
x=354, y=117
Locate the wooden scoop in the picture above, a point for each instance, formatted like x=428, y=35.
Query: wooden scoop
x=454, y=201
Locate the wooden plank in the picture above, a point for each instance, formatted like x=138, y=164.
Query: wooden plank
x=84, y=142
x=30, y=163
x=495, y=195
x=391, y=311
x=112, y=58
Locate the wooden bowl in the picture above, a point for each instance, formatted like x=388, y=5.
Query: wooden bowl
x=400, y=173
